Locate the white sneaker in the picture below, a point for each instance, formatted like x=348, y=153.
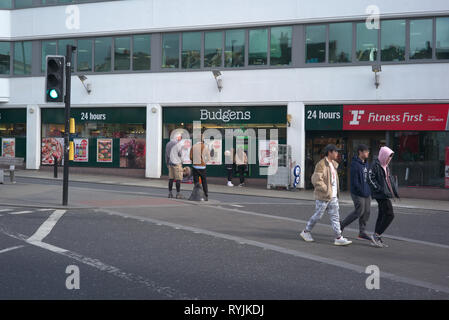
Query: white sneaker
x=342, y=242
x=307, y=236
x=230, y=184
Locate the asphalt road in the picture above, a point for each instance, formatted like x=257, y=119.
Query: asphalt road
x=134, y=243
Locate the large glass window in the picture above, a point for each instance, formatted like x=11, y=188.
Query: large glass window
x=442, y=38
x=340, y=42
x=191, y=50
x=170, y=50
x=213, y=47
x=235, y=48
x=23, y=3
x=62, y=49
x=421, y=39
x=315, y=44
x=393, y=40
x=281, y=46
x=122, y=53
x=142, y=52
x=22, y=57
x=5, y=4
x=258, y=47
x=367, y=43
x=5, y=57
x=84, y=61
x=103, y=48
x=48, y=48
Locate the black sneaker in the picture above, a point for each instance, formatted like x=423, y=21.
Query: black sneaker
x=364, y=236
x=206, y=198
x=170, y=195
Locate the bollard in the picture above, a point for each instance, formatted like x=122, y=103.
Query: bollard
x=55, y=167
x=11, y=173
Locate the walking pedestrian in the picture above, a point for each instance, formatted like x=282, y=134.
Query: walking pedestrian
x=173, y=159
x=229, y=165
x=200, y=155
x=241, y=160
x=383, y=188
x=325, y=181
x=360, y=192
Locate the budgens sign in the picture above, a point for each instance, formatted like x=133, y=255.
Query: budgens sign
x=224, y=115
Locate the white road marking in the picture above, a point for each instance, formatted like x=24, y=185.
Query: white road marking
x=237, y=205
x=5, y=210
x=47, y=226
x=20, y=212
x=10, y=249
x=44, y=209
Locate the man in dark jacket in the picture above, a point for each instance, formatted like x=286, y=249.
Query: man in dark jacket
x=383, y=188
x=360, y=192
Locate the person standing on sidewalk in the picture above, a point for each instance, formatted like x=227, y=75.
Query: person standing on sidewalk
x=383, y=188
x=325, y=181
x=199, y=154
x=229, y=164
x=360, y=192
x=241, y=160
x=173, y=159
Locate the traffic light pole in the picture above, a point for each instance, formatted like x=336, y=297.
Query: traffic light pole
x=68, y=77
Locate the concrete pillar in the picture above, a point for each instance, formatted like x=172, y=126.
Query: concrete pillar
x=153, y=164
x=33, y=157
x=296, y=136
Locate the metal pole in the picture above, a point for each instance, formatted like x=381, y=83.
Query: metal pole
x=68, y=73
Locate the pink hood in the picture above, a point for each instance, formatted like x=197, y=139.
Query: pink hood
x=384, y=154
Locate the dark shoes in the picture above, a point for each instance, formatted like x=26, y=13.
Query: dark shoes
x=170, y=195
x=364, y=236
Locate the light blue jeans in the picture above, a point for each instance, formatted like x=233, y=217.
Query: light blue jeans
x=332, y=208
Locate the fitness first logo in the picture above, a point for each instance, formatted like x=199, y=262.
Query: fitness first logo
x=356, y=117
x=225, y=115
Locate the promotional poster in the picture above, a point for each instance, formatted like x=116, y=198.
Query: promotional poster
x=104, y=150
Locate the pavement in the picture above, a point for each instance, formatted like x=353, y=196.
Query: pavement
x=132, y=242
x=215, y=188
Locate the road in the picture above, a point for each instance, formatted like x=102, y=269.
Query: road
x=134, y=243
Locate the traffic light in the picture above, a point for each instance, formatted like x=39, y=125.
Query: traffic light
x=55, y=80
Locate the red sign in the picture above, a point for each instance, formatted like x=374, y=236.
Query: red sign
x=422, y=117
x=446, y=171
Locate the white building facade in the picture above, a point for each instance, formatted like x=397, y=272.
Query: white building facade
x=148, y=64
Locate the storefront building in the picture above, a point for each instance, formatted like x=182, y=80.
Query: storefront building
x=417, y=133
x=259, y=120
x=13, y=133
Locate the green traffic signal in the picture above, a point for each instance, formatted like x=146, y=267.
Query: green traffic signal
x=53, y=94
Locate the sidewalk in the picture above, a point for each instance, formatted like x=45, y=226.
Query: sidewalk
x=250, y=191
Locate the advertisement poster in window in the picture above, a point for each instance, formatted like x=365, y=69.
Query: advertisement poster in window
x=132, y=153
x=81, y=150
x=104, y=150
x=446, y=169
x=186, y=145
x=266, y=151
x=9, y=147
x=215, y=151
x=52, y=147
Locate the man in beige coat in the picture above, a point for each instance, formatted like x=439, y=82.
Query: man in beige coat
x=325, y=181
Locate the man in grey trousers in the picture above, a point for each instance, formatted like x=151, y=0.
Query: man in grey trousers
x=360, y=192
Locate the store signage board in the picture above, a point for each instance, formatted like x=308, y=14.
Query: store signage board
x=324, y=118
x=13, y=116
x=424, y=117
x=129, y=115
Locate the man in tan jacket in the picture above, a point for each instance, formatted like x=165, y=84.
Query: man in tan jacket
x=325, y=181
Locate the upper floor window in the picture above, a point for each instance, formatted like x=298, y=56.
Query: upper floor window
x=122, y=53
x=258, y=47
x=235, y=48
x=142, y=52
x=5, y=57
x=213, y=49
x=421, y=31
x=392, y=40
x=48, y=48
x=5, y=4
x=340, y=42
x=367, y=43
x=170, y=50
x=442, y=36
x=281, y=46
x=84, y=57
x=103, y=47
x=191, y=50
x=18, y=4
x=315, y=44
x=22, y=57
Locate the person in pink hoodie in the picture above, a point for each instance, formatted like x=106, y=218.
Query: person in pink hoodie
x=383, y=188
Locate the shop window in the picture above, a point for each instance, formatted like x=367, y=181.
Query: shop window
x=142, y=52
x=122, y=53
x=213, y=48
x=170, y=50
x=191, y=50
x=5, y=4
x=258, y=47
x=84, y=57
x=48, y=48
x=5, y=57
x=22, y=57
x=421, y=39
x=340, y=42
x=315, y=44
x=442, y=45
x=235, y=48
x=103, y=48
x=12, y=129
x=367, y=43
x=393, y=40
x=62, y=49
x=281, y=46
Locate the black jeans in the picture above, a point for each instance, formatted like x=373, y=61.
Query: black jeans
x=200, y=173
x=241, y=169
x=229, y=170
x=361, y=211
x=385, y=217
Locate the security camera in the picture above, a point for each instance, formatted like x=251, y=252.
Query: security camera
x=217, y=75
